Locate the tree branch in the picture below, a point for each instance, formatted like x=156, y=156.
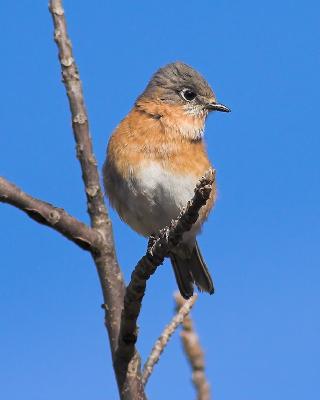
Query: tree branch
x=80, y=124
x=49, y=215
x=165, y=336
x=194, y=354
x=111, y=279
x=168, y=238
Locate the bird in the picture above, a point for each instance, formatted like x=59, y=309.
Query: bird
x=154, y=159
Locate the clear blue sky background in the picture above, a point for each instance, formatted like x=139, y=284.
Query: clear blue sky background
x=261, y=329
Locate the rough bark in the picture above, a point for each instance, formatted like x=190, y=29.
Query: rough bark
x=51, y=216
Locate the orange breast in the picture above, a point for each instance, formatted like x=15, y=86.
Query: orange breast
x=141, y=137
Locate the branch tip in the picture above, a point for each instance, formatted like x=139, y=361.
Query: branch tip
x=165, y=336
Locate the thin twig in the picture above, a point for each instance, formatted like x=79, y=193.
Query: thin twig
x=165, y=336
x=111, y=279
x=161, y=247
x=49, y=215
x=194, y=353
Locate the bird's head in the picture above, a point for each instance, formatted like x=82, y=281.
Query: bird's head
x=179, y=90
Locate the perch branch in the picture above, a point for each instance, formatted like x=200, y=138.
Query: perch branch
x=49, y=215
x=111, y=279
x=160, y=248
x=194, y=354
x=165, y=336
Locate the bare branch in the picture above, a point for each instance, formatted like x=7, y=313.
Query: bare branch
x=160, y=248
x=194, y=354
x=80, y=124
x=49, y=215
x=111, y=279
x=165, y=337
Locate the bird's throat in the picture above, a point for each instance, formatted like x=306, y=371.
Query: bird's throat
x=175, y=119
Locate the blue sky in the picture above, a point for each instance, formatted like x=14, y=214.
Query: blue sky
x=261, y=329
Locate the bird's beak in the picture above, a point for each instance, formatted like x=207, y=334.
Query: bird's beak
x=217, y=107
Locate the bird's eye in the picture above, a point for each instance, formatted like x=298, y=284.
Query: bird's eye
x=188, y=94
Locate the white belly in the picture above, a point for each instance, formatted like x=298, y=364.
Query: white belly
x=151, y=198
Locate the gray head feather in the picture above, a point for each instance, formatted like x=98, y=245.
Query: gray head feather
x=169, y=82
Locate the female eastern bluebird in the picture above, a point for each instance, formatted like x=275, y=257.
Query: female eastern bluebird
x=155, y=158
